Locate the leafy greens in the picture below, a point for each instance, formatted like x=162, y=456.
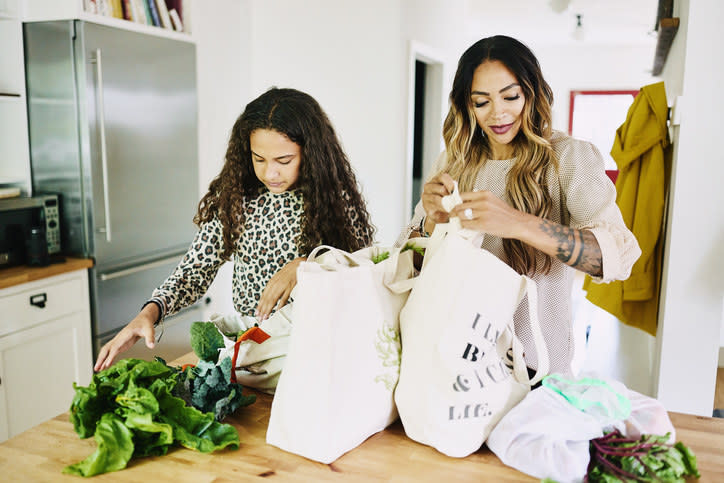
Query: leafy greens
x=207, y=387
x=130, y=410
x=615, y=458
x=206, y=340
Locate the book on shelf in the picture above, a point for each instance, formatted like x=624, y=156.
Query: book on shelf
x=176, y=20
x=90, y=6
x=105, y=8
x=176, y=5
x=163, y=14
x=186, y=17
x=183, y=10
x=154, y=12
x=116, y=8
x=139, y=12
x=147, y=9
x=128, y=10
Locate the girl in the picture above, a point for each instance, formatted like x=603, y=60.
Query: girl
x=541, y=197
x=286, y=186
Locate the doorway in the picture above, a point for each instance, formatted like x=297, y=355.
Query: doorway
x=425, y=115
x=605, y=346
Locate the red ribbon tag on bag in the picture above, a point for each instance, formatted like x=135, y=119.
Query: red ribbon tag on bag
x=255, y=334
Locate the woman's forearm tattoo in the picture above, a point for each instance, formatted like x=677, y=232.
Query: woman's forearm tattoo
x=576, y=248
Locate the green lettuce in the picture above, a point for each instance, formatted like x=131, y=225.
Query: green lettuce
x=130, y=411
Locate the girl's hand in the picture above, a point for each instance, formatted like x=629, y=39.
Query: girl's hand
x=432, y=193
x=277, y=291
x=483, y=211
x=140, y=327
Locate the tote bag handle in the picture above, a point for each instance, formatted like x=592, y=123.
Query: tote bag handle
x=530, y=289
x=398, y=269
x=338, y=258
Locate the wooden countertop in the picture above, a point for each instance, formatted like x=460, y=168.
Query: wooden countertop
x=41, y=453
x=22, y=273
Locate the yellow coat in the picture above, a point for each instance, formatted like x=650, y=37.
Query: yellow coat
x=639, y=149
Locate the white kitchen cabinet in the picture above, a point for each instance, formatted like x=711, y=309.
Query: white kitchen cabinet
x=15, y=164
x=45, y=346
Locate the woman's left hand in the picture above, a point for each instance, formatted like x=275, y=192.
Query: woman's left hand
x=483, y=211
x=277, y=291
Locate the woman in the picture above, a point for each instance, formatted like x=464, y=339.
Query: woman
x=286, y=186
x=541, y=197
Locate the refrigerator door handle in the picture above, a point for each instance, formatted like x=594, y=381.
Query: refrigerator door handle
x=104, y=155
x=138, y=268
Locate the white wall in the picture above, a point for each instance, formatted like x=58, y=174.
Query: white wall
x=586, y=66
x=693, y=284
x=350, y=58
x=223, y=56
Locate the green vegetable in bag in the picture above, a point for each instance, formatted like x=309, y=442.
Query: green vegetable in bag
x=206, y=340
x=380, y=257
x=615, y=458
x=207, y=387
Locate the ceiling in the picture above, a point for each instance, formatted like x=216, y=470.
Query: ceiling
x=629, y=22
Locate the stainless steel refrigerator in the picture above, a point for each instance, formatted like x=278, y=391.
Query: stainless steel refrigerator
x=113, y=129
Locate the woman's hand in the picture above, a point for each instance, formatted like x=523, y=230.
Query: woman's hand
x=432, y=194
x=140, y=326
x=483, y=211
x=277, y=291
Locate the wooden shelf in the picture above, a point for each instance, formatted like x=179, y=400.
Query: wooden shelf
x=667, y=31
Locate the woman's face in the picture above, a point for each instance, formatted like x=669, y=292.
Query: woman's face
x=275, y=158
x=498, y=103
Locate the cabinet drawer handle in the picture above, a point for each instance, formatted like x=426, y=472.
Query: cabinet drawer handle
x=39, y=300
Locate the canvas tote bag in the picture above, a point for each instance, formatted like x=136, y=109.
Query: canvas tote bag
x=258, y=354
x=462, y=365
x=342, y=365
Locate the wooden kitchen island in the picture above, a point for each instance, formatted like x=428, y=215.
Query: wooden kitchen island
x=40, y=454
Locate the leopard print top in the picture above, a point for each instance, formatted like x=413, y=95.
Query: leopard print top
x=266, y=244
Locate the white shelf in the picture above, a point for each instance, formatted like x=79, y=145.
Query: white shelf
x=40, y=10
x=136, y=27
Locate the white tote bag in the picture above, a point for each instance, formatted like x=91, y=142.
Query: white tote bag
x=257, y=356
x=462, y=365
x=337, y=386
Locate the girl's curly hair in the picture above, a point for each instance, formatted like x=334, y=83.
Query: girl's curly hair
x=328, y=184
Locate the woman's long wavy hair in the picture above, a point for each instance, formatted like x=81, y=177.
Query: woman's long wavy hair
x=467, y=148
x=326, y=180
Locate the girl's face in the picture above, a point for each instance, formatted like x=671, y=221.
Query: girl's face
x=275, y=158
x=498, y=103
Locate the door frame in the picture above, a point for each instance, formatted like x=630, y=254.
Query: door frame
x=433, y=118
